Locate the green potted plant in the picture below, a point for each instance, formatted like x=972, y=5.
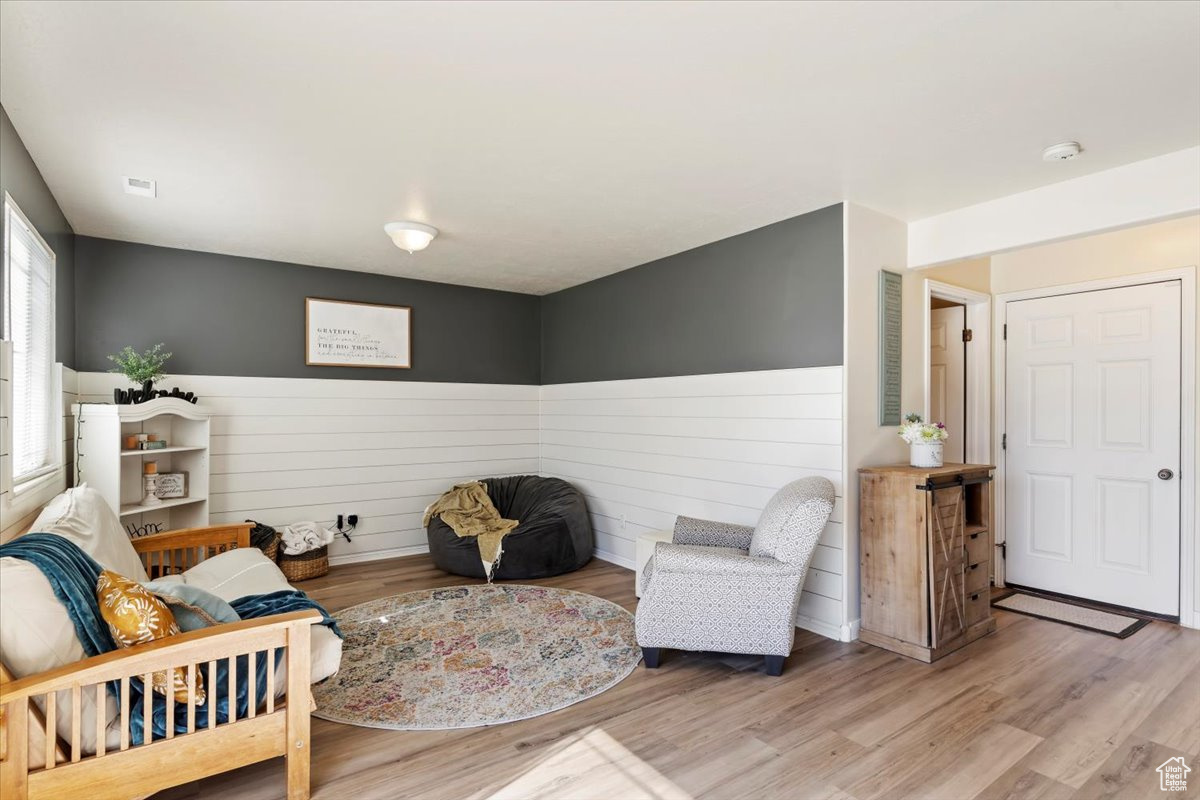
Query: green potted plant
x=142, y=369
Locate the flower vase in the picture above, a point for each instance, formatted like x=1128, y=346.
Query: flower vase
x=925, y=454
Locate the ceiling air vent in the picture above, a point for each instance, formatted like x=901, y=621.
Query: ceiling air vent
x=140, y=186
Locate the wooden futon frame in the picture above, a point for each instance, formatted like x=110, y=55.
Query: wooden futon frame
x=280, y=727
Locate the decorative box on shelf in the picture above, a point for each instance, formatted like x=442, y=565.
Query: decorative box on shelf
x=926, y=555
x=118, y=472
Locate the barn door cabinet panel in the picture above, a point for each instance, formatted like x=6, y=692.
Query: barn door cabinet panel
x=926, y=557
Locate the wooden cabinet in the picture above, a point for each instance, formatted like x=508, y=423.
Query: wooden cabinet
x=926, y=555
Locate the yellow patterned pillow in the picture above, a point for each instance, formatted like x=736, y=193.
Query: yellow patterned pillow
x=135, y=616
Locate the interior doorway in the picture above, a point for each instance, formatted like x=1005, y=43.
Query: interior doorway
x=948, y=339
x=958, y=369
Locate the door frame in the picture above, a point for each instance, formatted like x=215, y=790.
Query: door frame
x=977, y=437
x=1189, y=539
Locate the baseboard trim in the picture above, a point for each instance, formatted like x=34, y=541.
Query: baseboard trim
x=417, y=549
x=613, y=558
x=840, y=633
x=379, y=555
x=826, y=629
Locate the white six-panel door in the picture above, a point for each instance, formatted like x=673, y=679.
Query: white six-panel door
x=947, y=377
x=1093, y=428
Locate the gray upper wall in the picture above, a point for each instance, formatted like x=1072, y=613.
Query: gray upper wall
x=20, y=177
x=767, y=299
x=226, y=315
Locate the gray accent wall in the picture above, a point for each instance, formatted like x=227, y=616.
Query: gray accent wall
x=226, y=315
x=770, y=298
x=20, y=177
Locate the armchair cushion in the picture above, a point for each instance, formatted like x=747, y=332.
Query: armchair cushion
x=727, y=561
x=792, y=521
x=648, y=570
x=689, y=530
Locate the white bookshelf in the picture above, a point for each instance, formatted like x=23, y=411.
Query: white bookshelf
x=104, y=464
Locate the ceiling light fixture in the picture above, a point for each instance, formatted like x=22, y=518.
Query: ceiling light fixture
x=1063, y=151
x=410, y=236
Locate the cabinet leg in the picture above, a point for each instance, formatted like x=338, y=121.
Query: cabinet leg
x=774, y=665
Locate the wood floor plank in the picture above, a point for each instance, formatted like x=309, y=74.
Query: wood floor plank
x=1021, y=783
x=1005, y=717
x=1175, y=722
x=1131, y=772
x=904, y=764
x=594, y=764
x=803, y=770
x=1104, y=718
x=996, y=749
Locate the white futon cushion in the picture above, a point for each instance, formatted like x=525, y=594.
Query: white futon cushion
x=82, y=516
x=246, y=571
x=36, y=635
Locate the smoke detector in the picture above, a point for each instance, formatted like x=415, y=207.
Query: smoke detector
x=143, y=187
x=1063, y=151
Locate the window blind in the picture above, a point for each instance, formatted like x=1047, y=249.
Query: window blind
x=29, y=323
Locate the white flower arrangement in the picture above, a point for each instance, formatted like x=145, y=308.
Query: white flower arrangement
x=917, y=431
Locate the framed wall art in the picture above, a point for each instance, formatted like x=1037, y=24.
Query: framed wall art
x=340, y=333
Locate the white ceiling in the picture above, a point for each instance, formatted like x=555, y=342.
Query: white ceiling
x=553, y=143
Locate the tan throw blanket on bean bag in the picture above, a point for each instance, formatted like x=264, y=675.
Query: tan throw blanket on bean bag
x=469, y=511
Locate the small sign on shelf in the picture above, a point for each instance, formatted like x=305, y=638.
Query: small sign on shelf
x=171, y=485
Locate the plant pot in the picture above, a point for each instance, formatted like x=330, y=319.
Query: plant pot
x=925, y=454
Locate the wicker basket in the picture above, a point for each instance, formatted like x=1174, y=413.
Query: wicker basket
x=271, y=551
x=258, y=533
x=312, y=564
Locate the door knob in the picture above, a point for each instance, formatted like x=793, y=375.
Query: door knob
x=1165, y=474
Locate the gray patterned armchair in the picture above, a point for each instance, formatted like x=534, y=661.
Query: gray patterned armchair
x=731, y=588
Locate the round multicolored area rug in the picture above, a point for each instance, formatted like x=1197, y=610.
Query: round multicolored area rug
x=467, y=656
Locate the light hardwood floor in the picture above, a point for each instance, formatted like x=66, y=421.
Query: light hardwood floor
x=1036, y=710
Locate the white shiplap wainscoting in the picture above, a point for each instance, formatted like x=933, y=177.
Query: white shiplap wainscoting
x=712, y=446
x=290, y=449
x=642, y=451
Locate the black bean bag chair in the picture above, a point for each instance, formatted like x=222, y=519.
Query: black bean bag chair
x=555, y=534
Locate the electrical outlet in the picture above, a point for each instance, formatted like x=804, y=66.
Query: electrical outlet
x=622, y=522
